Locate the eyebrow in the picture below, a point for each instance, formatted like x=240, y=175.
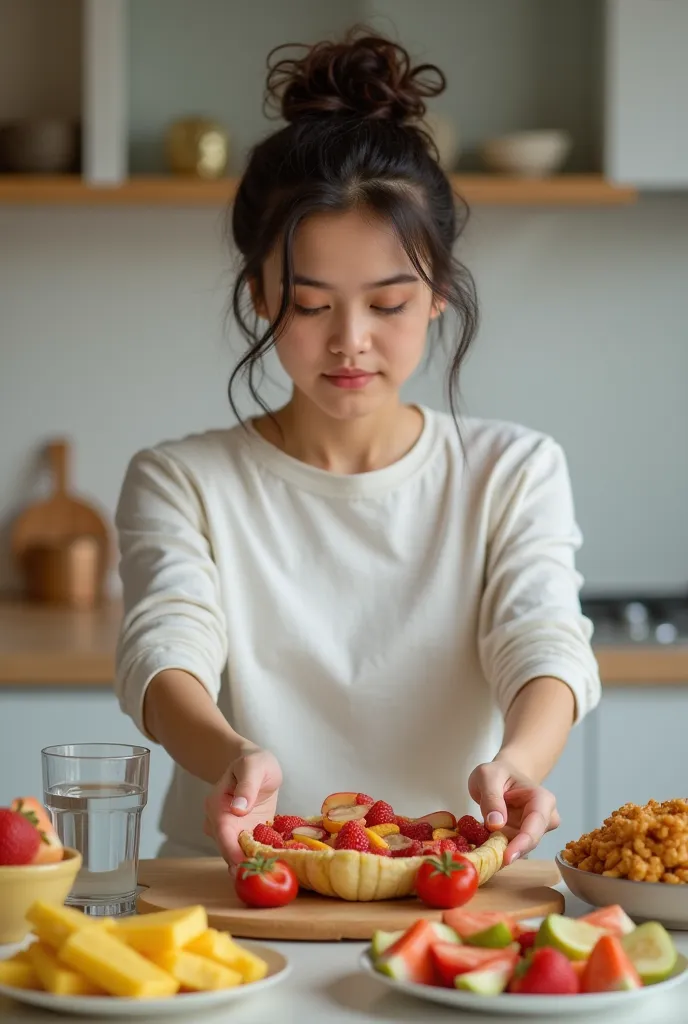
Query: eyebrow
x=310, y=282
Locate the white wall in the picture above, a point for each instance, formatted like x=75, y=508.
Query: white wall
x=112, y=330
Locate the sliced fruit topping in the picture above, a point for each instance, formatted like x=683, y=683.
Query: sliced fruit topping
x=292, y=844
x=402, y=846
x=409, y=958
x=381, y=941
x=652, y=952
x=462, y=845
x=303, y=832
x=574, y=938
x=545, y=972
x=268, y=837
x=472, y=830
x=338, y=816
x=384, y=830
x=439, y=819
x=375, y=841
x=308, y=843
x=447, y=846
x=613, y=920
x=338, y=800
x=420, y=830
x=352, y=836
x=609, y=968
x=490, y=980
x=381, y=851
x=286, y=823
x=452, y=959
x=444, y=833
x=466, y=924
x=380, y=814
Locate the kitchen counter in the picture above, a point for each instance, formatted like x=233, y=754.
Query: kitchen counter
x=48, y=646
x=326, y=986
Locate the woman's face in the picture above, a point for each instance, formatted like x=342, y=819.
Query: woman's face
x=361, y=313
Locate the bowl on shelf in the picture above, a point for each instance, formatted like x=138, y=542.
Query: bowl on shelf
x=39, y=146
x=534, y=154
x=642, y=901
x=22, y=885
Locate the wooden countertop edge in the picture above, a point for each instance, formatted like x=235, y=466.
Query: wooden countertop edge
x=47, y=647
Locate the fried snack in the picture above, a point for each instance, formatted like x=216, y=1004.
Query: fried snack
x=643, y=844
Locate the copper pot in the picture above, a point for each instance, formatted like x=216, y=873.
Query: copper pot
x=71, y=572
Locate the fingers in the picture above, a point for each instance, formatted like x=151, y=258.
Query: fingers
x=227, y=840
x=486, y=786
x=249, y=773
x=539, y=816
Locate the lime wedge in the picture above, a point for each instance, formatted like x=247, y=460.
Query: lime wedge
x=651, y=950
x=496, y=937
x=575, y=939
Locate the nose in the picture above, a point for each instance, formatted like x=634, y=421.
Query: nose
x=350, y=337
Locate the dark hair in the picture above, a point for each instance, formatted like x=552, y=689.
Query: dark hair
x=354, y=138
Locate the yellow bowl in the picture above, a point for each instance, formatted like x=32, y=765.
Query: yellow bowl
x=23, y=885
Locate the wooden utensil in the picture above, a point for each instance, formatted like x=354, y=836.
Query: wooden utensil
x=60, y=518
x=522, y=890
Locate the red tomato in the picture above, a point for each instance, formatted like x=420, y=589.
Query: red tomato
x=446, y=881
x=266, y=882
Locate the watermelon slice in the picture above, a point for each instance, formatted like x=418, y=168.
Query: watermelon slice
x=489, y=980
x=466, y=924
x=409, y=958
x=451, y=960
x=614, y=920
x=609, y=968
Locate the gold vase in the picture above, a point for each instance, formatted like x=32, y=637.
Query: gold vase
x=197, y=146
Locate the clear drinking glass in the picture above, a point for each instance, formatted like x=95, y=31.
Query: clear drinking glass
x=95, y=793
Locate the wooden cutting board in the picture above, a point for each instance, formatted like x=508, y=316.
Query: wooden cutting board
x=521, y=890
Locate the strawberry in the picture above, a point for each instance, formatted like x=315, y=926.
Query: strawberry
x=291, y=844
x=19, y=840
x=381, y=851
x=268, y=837
x=414, y=849
x=420, y=830
x=471, y=829
x=447, y=844
x=351, y=836
x=431, y=849
x=363, y=799
x=286, y=823
x=380, y=814
x=545, y=971
x=526, y=940
x=461, y=844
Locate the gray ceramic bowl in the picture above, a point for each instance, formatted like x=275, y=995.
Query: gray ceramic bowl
x=642, y=901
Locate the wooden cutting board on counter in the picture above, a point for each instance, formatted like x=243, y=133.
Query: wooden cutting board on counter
x=523, y=890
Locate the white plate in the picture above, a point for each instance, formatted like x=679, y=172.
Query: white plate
x=532, y=1006
x=642, y=901
x=175, y=1006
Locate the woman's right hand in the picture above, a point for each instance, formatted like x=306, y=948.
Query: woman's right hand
x=245, y=795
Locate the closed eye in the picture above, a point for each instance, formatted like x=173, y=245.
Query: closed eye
x=309, y=310
x=390, y=310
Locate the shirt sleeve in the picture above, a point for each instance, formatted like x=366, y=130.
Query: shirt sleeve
x=172, y=610
x=531, y=623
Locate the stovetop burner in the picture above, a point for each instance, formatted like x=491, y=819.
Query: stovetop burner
x=638, y=618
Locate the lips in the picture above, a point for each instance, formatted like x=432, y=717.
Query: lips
x=351, y=379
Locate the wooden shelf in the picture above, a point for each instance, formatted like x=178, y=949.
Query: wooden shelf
x=478, y=189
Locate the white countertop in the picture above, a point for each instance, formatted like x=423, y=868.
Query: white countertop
x=327, y=987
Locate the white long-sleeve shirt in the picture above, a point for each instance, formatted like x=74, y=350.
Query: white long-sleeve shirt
x=371, y=630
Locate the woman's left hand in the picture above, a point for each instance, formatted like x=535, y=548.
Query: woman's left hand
x=512, y=803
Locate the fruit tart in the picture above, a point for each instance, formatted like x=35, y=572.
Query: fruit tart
x=360, y=849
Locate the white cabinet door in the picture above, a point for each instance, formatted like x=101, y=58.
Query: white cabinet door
x=641, y=750
x=568, y=782
x=646, y=84
x=32, y=719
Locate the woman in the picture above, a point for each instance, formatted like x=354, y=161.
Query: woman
x=351, y=593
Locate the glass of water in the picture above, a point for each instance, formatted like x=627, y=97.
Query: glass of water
x=95, y=793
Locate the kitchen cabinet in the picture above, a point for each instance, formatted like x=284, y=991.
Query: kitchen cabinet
x=646, y=129
x=31, y=719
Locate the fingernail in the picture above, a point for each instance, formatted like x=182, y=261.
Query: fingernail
x=239, y=803
x=495, y=818
x=514, y=857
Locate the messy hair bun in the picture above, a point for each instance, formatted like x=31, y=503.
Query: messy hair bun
x=363, y=76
